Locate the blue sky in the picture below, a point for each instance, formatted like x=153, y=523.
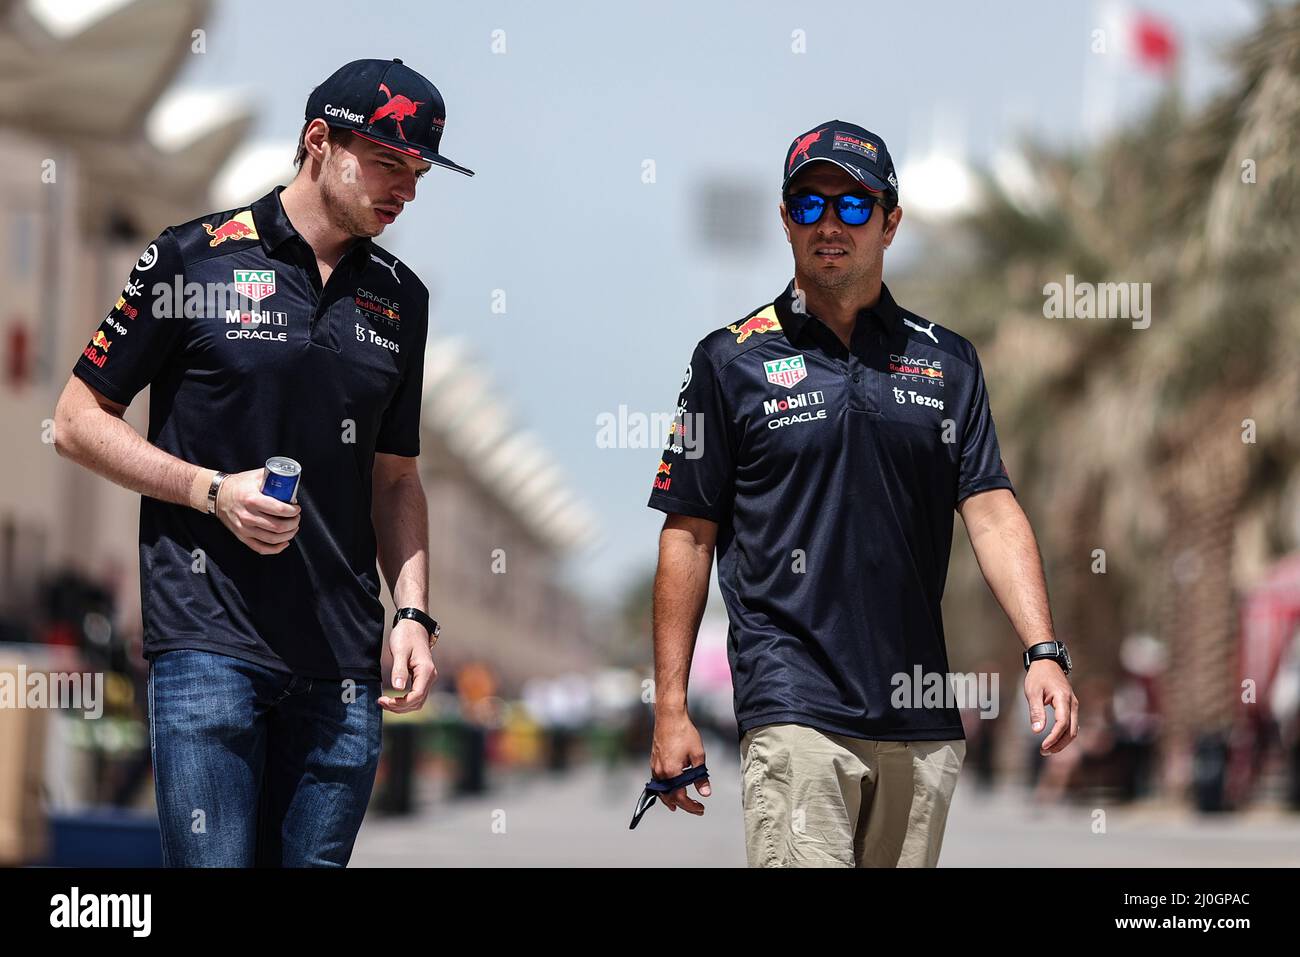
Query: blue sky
x=608, y=283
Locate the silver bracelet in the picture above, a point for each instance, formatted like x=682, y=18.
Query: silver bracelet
x=213, y=488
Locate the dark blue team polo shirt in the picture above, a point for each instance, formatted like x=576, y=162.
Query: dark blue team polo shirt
x=325, y=376
x=833, y=475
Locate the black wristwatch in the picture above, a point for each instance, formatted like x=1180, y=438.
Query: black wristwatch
x=415, y=614
x=1054, y=650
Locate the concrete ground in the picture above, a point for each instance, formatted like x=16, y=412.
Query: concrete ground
x=580, y=819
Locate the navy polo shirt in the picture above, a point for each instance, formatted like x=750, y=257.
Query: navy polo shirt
x=833, y=475
x=249, y=357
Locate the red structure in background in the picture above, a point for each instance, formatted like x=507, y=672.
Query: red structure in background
x=18, y=359
x=1270, y=622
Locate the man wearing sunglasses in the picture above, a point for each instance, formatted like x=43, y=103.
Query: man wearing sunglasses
x=821, y=447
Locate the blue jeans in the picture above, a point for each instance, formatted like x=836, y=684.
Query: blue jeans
x=253, y=767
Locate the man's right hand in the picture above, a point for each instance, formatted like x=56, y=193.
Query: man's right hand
x=264, y=524
x=677, y=744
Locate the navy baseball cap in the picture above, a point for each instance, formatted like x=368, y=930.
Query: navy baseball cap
x=860, y=153
x=388, y=103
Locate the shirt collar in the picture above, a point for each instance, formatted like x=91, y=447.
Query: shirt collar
x=885, y=312
x=272, y=223
x=274, y=228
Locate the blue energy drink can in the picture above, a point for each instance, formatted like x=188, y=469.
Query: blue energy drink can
x=281, y=481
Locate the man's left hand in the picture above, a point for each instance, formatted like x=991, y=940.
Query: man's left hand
x=1046, y=684
x=412, y=667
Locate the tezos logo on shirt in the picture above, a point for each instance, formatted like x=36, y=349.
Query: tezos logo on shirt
x=363, y=333
x=916, y=398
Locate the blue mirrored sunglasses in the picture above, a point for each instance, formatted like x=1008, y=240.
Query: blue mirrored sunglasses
x=853, y=209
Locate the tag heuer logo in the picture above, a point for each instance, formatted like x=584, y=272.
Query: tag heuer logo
x=256, y=284
x=785, y=372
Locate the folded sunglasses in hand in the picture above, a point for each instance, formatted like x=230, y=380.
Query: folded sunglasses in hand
x=654, y=788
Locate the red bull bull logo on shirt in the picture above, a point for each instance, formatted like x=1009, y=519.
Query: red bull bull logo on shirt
x=662, y=476
x=99, y=341
x=763, y=321
x=240, y=227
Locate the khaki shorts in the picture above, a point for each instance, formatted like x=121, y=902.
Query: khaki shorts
x=815, y=799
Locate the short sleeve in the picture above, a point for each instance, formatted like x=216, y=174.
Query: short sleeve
x=981, y=467
x=696, y=472
x=142, y=331
x=399, y=430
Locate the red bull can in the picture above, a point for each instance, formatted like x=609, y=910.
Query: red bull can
x=281, y=480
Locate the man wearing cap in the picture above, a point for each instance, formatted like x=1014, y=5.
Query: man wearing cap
x=821, y=446
x=280, y=329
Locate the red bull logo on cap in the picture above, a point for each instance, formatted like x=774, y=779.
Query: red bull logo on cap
x=399, y=107
x=802, y=145
x=856, y=144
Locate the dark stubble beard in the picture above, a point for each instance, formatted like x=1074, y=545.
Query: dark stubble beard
x=342, y=210
x=838, y=281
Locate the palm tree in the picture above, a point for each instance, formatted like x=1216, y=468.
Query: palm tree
x=1138, y=441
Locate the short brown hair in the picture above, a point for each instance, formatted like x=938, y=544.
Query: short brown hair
x=337, y=137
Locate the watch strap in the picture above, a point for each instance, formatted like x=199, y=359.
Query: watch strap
x=415, y=614
x=1053, y=650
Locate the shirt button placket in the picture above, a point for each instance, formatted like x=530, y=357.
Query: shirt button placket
x=868, y=388
x=853, y=372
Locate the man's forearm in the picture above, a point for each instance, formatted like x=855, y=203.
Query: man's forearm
x=110, y=447
x=680, y=592
x=1008, y=556
x=401, y=517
